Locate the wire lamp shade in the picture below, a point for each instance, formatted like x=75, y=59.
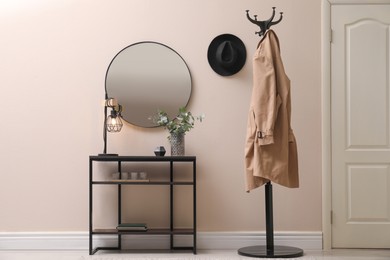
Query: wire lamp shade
x=114, y=121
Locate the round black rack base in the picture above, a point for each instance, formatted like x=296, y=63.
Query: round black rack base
x=277, y=252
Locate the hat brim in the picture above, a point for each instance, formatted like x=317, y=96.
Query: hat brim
x=239, y=47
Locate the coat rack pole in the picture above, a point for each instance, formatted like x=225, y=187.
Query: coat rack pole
x=269, y=218
x=270, y=250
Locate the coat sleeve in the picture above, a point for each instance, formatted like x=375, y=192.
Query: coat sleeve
x=266, y=101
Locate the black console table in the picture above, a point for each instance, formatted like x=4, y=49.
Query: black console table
x=170, y=231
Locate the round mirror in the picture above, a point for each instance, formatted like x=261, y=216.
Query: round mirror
x=146, y=77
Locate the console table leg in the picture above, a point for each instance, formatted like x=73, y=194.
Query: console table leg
x=194, y=204
x=171, y=204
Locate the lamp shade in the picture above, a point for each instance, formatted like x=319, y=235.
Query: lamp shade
x=114, y=122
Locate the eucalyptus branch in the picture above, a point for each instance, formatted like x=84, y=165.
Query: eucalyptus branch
x=183, y=123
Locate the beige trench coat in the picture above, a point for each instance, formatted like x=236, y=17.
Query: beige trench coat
x=270, y=150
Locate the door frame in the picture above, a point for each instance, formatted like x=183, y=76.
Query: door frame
x=326, y=35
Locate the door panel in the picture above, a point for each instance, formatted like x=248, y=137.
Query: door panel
x=360, y=98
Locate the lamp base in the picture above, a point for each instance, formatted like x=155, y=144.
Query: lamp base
x=277, y=252
x=107, y=154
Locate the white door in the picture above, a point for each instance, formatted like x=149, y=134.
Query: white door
x=360, y=118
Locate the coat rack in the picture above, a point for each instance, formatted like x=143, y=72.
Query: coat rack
x=264, y=25
x=269, y=250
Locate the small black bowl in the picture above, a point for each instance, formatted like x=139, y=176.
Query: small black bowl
x=159, y=151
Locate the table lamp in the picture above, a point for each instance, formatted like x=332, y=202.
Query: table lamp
x=112, y=123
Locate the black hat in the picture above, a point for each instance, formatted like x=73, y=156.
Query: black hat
x=226, y=54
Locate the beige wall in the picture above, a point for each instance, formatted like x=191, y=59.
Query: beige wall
x=53, y=60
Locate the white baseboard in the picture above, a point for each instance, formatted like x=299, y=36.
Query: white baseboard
x=205, y=240
x=43, y=240
x=235, y=240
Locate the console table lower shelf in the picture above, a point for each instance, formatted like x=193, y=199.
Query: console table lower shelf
x=160, y=231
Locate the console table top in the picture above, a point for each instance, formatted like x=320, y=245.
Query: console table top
x=117, y=158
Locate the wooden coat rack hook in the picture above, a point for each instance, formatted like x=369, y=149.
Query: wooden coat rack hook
x=264, y=25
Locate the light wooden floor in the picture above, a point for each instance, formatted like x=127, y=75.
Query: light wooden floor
x=202, y=254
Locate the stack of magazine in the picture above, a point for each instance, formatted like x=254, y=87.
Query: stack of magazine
x=132, y=227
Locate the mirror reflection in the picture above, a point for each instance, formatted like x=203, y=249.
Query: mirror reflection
x=145, y=77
